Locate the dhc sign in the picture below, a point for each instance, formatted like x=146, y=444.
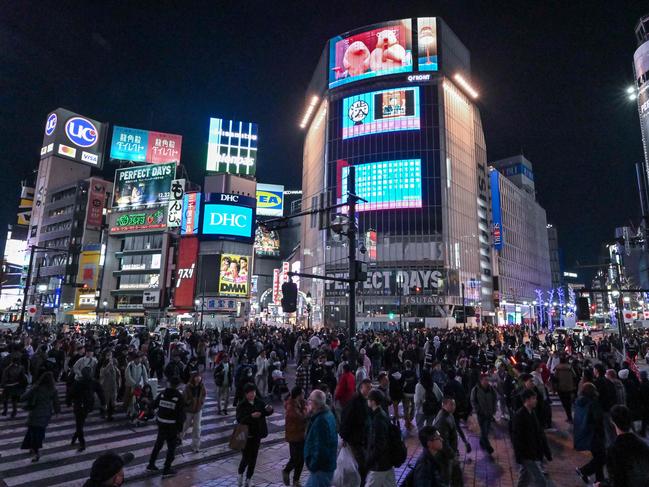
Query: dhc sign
x=227, y=220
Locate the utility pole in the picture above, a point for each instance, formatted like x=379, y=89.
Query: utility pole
x=27, y=284
x=351, y=215
x=463, y=310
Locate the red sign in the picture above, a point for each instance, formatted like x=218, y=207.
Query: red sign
x=96, y=201
x=164, y=147
x=276, y=288
x=186, y=269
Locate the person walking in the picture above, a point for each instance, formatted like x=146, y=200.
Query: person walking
x=295, y=429
x=261, y=374
x=483, y=401
x=409, y=380
x=428, y=469
x=170, y=418
x=321, y=442
x=88, y=360
x=135, y=375
x=565, y=383
x=14, y=381
x=428, y=400
x=529, y=442
x=379, y=462
x=588, y=432
x=83, y=401
x=109, y=378
x=41, y=401
x=223, y=382
x=345, y=388
x=251, y=411
x=194, y=396
x=354, y=424
x=446, y=425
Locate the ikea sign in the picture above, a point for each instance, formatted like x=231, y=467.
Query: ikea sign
x=270, y=200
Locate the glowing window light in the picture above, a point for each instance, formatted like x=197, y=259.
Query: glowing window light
x=465, y=85
x=309, y=111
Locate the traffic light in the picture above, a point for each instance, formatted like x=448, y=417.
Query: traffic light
x=583, y=311
x=289, y=297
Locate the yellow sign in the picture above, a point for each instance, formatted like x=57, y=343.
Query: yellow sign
x=233, y=276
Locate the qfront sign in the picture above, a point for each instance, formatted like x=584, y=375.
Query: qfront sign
x=73, y=136
x=228, y=216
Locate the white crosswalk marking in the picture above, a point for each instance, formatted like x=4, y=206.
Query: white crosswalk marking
x=60, y=464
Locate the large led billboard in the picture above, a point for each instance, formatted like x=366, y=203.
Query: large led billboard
x=228, y=216
x=143, y=185
x=270, y=200
x=190, y=214
x=137, y=145
x=73, y=136
x=232, y=147
x=381, y=111
x=386, y=185
x=376, y=50
x=139, y=221
x=233, y=275
x=427, y=44
x=266, y=242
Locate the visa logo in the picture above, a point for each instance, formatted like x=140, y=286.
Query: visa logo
x=266, y=199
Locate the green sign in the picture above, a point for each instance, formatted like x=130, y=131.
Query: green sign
x=143, y=220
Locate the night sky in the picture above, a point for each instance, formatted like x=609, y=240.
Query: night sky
x=552, y=82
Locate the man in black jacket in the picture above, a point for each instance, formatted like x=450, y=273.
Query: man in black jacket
x=607, y=398
x=530, y=444
x=354, y=423
x=379, y=464
x=223, y=382
x=170, y=418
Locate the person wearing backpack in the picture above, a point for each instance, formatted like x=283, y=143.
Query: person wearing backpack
x=379, y=456
x=428, y=400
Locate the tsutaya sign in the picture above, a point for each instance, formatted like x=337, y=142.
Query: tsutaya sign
x=387, y=282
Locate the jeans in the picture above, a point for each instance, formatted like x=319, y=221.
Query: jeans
x=222, y=395
x=485, y=427
x=530, y=473
x=296, y=460
x=249, y=457
x=194, y=420
x=80, y=416
x=166, y=434
x=381, y=479
x=320, y=479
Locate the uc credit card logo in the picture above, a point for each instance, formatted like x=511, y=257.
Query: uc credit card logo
x=269, y=199
x=51, y=124
x=81, y=132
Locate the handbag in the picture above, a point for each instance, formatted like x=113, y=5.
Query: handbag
x=239, y=437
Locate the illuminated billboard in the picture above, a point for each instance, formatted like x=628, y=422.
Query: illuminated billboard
x=386, y=185
x=137, y=145
x=232, y=147
x=270, y=200
x=228, y=216
x=381, y=49
x=427, y=44
x=143, y=185
x=190, y=213
x=266, y=242
x=186, y=272
x=233, y=275
x=138, y=221
x=381, y=111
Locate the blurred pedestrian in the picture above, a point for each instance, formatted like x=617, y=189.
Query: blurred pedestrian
x=194, y=395
x=83, y=402
x=321, y=442
x=588, y=432
x=295, y=430
x=41, y=401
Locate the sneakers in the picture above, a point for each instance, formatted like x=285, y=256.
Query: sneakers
x=286, y=477
x=152, y=468
x=248, y=483
x=240, y=481
x=168, y=472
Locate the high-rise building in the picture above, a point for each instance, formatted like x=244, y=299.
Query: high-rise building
x=521, y=242
x=395, y=100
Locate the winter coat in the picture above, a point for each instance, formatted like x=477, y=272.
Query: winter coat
x=588, y=425
x=83, y=393
x=257, y=427
x=627, y=461
x=41, y=403
x=354, y=421
x=194, y=397
x=346, y=388
x=109, y=380
x=378, y=446
x=295, y=426
x=483, y=401
x=565, y=378
x=321, y=443
x=528, y=437
x=427, y=471
x=220, y=375
x=607, y=394
x=135, y=374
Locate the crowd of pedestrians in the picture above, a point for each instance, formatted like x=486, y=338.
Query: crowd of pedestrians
x=353, y=400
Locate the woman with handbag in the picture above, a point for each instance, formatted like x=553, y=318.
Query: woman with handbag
x=41, y=400
x=251, y=412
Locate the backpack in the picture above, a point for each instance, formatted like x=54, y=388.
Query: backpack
x=431, y=405
x=398, y=449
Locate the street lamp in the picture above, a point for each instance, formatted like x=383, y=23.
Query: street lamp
x=308, y=309
x=104, y=305
x=197, y=303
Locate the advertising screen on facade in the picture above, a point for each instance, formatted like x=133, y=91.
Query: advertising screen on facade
x=186, y=273
x=386, y=185
x=381, y=111
x=270, y=200
x=137, y=221
x=191, y=212
x=427, y=44
x=88, y=275
x=266, y=242
x=228, y=216
x=431, y=281
x=175, y=205
x=496, y=215
x=96, y=202
x=143, y=185
x=73, y=136
x=375, y=51
x=233, y=275
x=137, y=145
x=232, y=147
